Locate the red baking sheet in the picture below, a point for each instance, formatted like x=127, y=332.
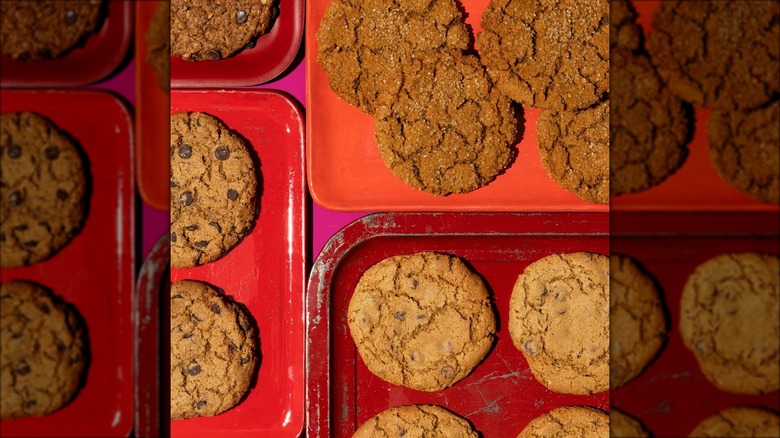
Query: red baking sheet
x=696, y=186
x=266, y=271
x=501, y=396
x=152, y=108
x=340, y=141
x=272, y=54
x=95, y=271
x=101, y=55
x=672, y=396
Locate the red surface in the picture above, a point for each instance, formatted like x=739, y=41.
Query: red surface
x=273, y=53
x=501, y=396
x=100, y=56
x=340, y=141
x=266, y=271
x=95, y=271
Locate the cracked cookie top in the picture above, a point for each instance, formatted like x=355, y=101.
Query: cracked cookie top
x=739, y=421
x=568, y=421
x=624, y=32
x=416, y=420
x=623, y=425
x=423, y=321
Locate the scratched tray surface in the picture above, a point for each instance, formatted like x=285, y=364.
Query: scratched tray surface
x=501, y=396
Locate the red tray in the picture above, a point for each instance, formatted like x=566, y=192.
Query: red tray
x=501, y=396
x=672, y=396
x=266, y=272
x=274, y=52
x=95, y=271
x=101, y=55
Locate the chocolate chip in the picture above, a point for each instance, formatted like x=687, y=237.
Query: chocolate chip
x=14, y=151
x=23, y=369
x=174, y=184
x=448, y=372
x=215, y=308
x=194, y=371
x=62, y=194
x=401, y=431
x=529, y=346
x=51, y=152
x=232, y=194
x=216, y=225
x=15, y=198
x=177, y=296
x=212, y=54
x=185, y=151
x=191, y=228
x=2, y=237
x=70, y=16
x=244, y=325
x=400, y=315
x=185, y=198
x=274, y=12
x=241, y=17
x=415, y=283
x=245, y=360
x=251, y=44
x=20, y=228
x=420, y=316
x=173, y=237
x=44, y=308
x=200, y=244
x=201, y=404
x=187, y=336
x=414, y=356
x=29, y=404
x=222, y=153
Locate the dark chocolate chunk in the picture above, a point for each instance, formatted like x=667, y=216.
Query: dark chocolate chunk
x=245, y=360
x=173, y=237
x=232, y=194
x=222, y=153
x=44, y=308
x=62, y=194
x=448, y=372
x=216, y=225
x=14, y=151
x=213, y=54
x=215, y=308
x=201, y=404
x=200, y=244
x=194, y=371
x=274, y=12
x=415, y=283
x=23, y=369
x=51, y=152
x=15, y=198
x=70, y=16
x=29, y=404
x=2, y=237
x=185, y=151
x=185, y=198
x=529, y=346
x=241, y=17
x=191, y=228
x=400, y=315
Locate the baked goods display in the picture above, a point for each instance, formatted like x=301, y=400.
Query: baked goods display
x=416, y=420
x=568, y=421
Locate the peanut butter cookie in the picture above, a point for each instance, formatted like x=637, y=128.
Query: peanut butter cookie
x=416, y=421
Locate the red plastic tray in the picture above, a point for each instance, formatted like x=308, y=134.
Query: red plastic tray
x=101, y=55
x=266, y=272
x=501, y=396
x=272, y=54
x=95, y=271
x=672, y=396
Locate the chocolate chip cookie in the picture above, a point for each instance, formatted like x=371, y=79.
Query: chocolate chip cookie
x=730, y=320
x=551, y=54
x=740, y=421
x=207, y=30
x=214, y=189
x=423, y=320
x=624, y=32
x=559, y=320
x=44, y=189
x=567, y=422
x=45, y=350
x=416, y=420
x=214, y=351
x=621, y=425
x=158, y=45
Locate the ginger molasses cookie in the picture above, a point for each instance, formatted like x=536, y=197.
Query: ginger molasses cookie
x=214, y=351
x=730, y=321
x=44, y=193
x=621, y=425
x=207, y=30
x=745, y=149
x=158, y=43
x=624, y=32
x=718, y=54
x=551, y=54
x=45, y=350
x=739, y=421
x=416, y=420
x=214, y=189
x=449, y=130
x=568, y=422
x=423, y=320
x=574, y=149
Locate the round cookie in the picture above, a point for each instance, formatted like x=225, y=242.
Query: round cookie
x=650, y=126
x=214, y=199
x=637, y=320
x=624, y=32
x=45, y=350
x=551, y=54
x=449, y=131
x=745, y=150
x=47, y=29
x=559, y=320
x=158, y=45
x=740, y=421
x=204, y=30
x=567, y=422
x=730, y=321
x=416, y=421
x=214, y=351
x=43, y=189
x=718, y=54
x=623, y=426
x=423, y=321
x=574, y=149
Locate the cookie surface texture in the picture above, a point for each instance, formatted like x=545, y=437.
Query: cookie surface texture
x=214, y=351
x=158, y=43
x=559, y=320
x=621, y=425
x=214, y=189
x=624, y=32
x=568, y=422
x=43, y=189
x=423, y=321
x=45, y=350
x=730, y=321
x=207, y=30
x=739, y=422
x=551, y=54
x=416, y=421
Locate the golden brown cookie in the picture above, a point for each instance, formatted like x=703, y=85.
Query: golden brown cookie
x=624, y=32
x=740, y=421
x=568, y=422
x=158, y=43
x=416, y=421
x=623, y=426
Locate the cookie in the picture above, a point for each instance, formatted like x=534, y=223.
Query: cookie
x=45, y=350
x=621, y=425
x=551, y=54
x=44, y=188
x=416, y=420
x=568, y=422
x=361, y=44
x=624, y=32
x=745, y=150
x=214, y=351
x=158, y=45
x=574, y=149
x=205, y=30
x=718, y=54
x=559, y=320
x=730, y=321
x=214, y=189
x=47, y=29
x=449, y=131
x=650, y=126
x=740, y=421
x=423, y=321
x=638, y=328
